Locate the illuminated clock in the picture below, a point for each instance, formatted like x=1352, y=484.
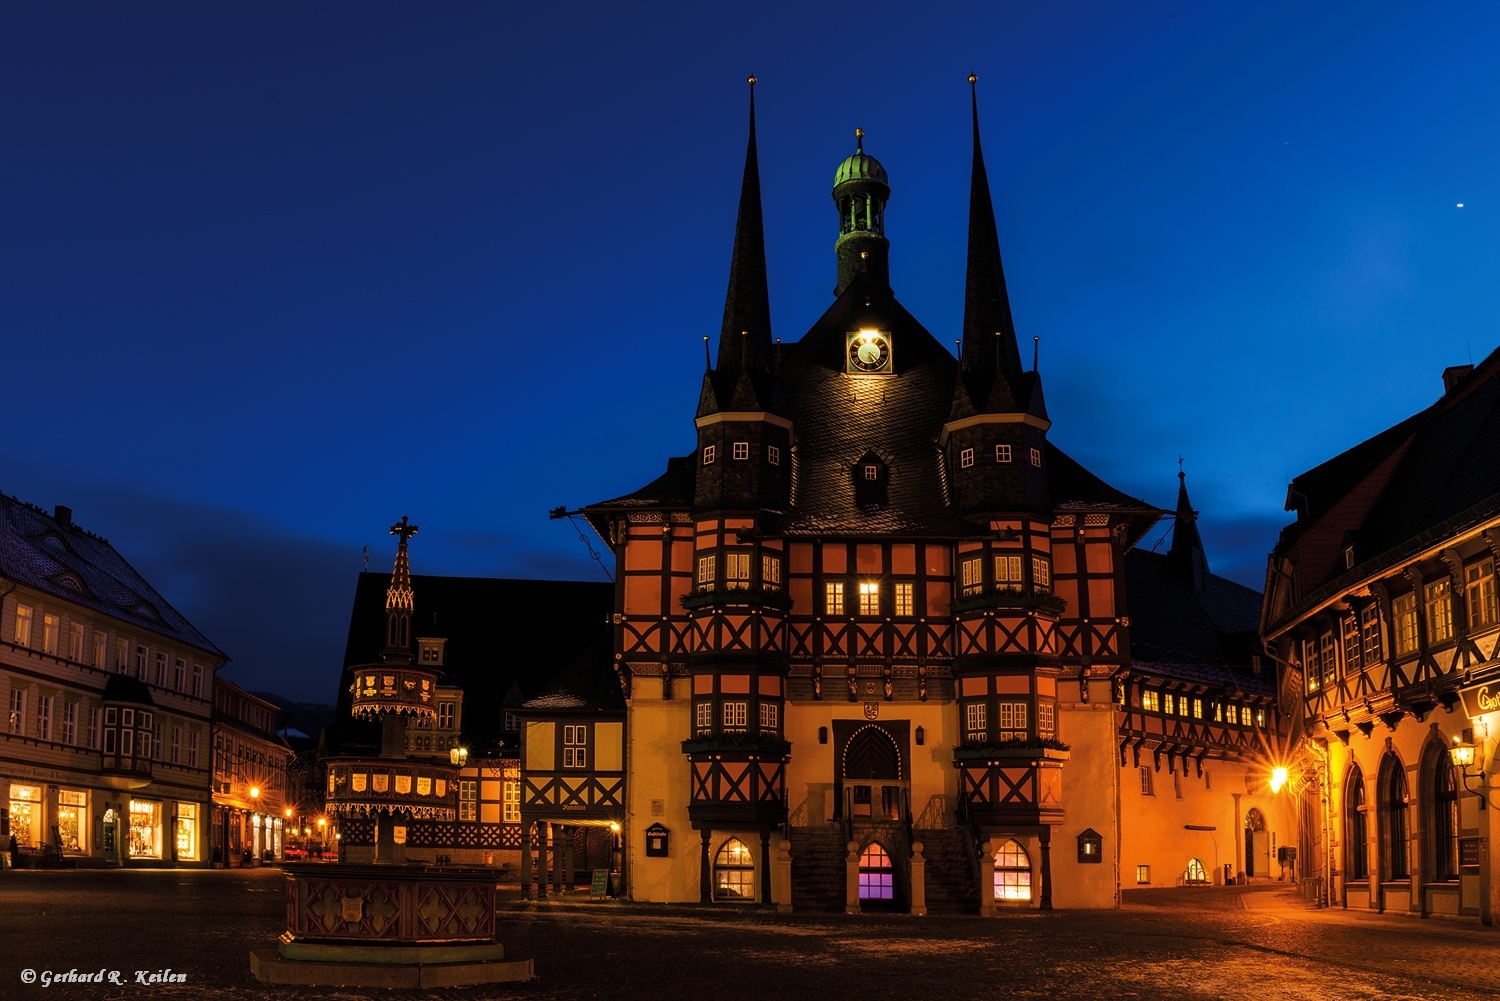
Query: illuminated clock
x=869, y=352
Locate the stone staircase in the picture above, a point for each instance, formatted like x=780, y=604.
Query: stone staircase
x=952, y=887
x=818, y=855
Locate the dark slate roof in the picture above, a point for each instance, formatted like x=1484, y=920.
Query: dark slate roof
x=506, y=639
x=59, y=558
x=1394, y=493
x=123, y=688
x=1176, y=630
x=588, y=683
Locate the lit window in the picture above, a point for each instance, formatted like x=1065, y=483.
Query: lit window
x=737, y=571
x=705, y=572
x=1168, y=703
x=869, y=598
x=734, y=872
x=971, y=575
x=1197, y=709
x=49, y=634
x=23, y=626
x=72, y=818
x=1012, y=872
x=510, y=792
x=740, y=450
x=1404, y=616
x=770, y=572
x=976, y=723
x=1310, y=665
x=1007, y=571
x=1196, y=875
x=1369, y=632
x=145, y=829
x=1325, y=655
x=1041, y=574
x=1260, y=717
x=833, y=598
x=575, y=746
x=773, y=455
x=468, y=799
x=1143, y=874
x=1479, y=594
x=708, y=455
x=768, y=717
x=26, y=814
x=1150, y=701
x=1011, y=720
x=1439, y=601
x=1002, y=453
x=877, y=878
x=1218, y=712
x=75, y=642
x=904, y=598
x=736, y=715
x=187, y=831
x=966, y=458
x=1351, y=645
x=1036, y=457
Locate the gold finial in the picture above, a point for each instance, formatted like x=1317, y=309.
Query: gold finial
x=973, y=79
x=859, y=140
x=752, y=79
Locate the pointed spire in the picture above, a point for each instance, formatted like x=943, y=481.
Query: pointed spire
x=400, y=600
x=1187, y=556
x=745, y=335
x=991, y=361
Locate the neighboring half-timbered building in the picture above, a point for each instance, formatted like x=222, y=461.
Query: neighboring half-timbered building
x=1381, y=598
x=871, y=630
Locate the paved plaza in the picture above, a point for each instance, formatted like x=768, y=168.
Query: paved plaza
x=1260, y=942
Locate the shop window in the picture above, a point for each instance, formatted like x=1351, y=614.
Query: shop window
x=187, y=832
x=1479, y=594
x=734, y=872
x=72, y=818
x=877, y=877
x=1012, y=872
x=145, y=829
x=26, y=814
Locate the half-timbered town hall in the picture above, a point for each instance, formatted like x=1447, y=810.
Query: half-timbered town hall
x=875, y=632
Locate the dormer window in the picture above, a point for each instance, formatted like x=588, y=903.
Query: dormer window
x=741, y=450
x=1348, y=557
x=872, y=472
x=431, y=651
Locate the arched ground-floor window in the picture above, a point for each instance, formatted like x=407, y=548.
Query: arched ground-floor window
x=1012, y=872
x=734, y=872
x=1356, y=828
x=1195, y=871
x=877, y=877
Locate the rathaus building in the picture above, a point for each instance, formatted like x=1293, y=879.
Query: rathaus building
x=884, y=644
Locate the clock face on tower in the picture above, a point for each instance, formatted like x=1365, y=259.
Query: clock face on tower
x=869, y=352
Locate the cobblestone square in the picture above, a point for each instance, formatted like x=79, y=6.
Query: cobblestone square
x=1260, y=942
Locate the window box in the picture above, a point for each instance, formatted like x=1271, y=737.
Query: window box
x=738, y=596
x=738, y=743
x=1011, y=597
x=1031, y=749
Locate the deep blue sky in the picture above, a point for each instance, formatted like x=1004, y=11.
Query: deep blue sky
x=272, y=276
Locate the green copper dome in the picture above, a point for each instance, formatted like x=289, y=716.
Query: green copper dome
x=860, y=166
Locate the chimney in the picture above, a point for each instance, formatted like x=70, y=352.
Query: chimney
x=1453, y=375
x=63, y=515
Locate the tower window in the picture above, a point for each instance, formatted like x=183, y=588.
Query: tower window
x=966, y=458
x=1036, y=457
x=1002, y=453
x=1007, y=571
x=737, y=571
x=735, y=715
x=705, y=572
x=773, y=455
x=971, y=575
x=741, y=450
x=708, y=455
x=575, y=746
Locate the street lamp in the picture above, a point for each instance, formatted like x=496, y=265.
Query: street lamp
x=458, y=755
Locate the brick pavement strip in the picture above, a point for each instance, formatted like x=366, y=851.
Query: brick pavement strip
x=1163, y=945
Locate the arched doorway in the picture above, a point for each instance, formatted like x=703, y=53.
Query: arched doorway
x=877, y=878
x=871, y=775
x=734, y=873
x=1257, y=844
x=1012, y=873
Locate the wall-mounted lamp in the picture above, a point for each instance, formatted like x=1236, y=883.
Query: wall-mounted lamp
x=458, y=755
x=1278, y=778
x=1462, y=753
x=921, y=736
